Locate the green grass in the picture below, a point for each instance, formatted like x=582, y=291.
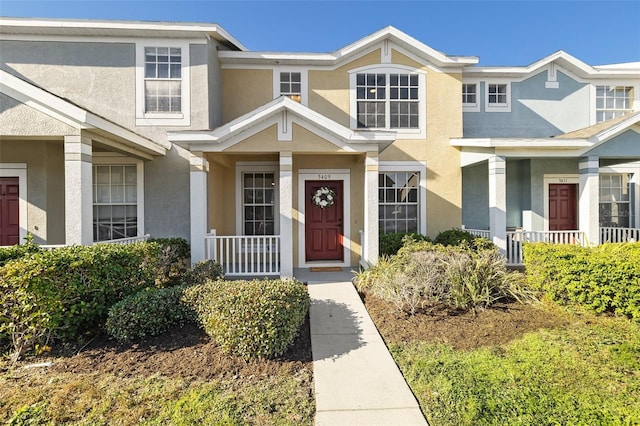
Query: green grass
x=585, y=374
x=41, y=398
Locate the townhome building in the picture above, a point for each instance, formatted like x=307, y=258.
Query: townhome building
x=270, y=161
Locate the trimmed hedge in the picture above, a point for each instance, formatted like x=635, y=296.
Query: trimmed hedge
x=65, y=293
x=203, y=271
x=602, y=279
x=258, y=318
x=149, y=312
x=389, y=244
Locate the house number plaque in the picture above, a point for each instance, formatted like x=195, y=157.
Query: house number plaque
x=324, y=177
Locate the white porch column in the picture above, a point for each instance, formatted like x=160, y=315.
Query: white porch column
x=78, y=190
x=198, y=204
x=371, y=237
x=286, y=219
x=498, y=202
x=588, y=210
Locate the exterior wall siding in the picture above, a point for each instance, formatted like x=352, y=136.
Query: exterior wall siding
x=535, y=110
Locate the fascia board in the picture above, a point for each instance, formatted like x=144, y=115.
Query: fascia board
x=522, y=143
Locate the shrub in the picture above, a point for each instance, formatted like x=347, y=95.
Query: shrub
x=389, y=244
x=454, y=237
x=18, y=250
x=66, y=292
x=602, y=279
x=422, y=274
x=251, y=318
x=201, y=272
x=149, y=312
x=171, y=259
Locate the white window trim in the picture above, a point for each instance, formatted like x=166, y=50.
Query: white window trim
x=19, y=170
x=325, y=174
x=472, y=107
x=412, y=166
x=421, y=131
x=635, y=102
x=257, y=167
x=114, y=159
x=633, y=169
x=304, y=82
x=502, y=107
x=163, y=119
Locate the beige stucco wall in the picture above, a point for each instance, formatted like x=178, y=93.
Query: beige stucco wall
x=45, y=185
x=244, y=90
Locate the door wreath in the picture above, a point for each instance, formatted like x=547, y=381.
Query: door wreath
x=323, y=197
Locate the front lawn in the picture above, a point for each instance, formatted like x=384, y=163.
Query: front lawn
x=554, y=367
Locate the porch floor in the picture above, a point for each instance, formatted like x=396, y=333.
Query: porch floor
x=356, y=379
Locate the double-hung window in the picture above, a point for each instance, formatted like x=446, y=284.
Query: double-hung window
x=389, y=97
x=115, y=202
x=258, y=203
x=387, y=101
x=163, y=84
x=615, y=205
x=613, y=101
x=162, y=79
x=398, y=206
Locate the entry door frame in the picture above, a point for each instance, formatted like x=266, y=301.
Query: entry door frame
x=319, y=175
x=18, y=170
x=568, y=179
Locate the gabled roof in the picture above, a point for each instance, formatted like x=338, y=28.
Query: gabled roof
x=74, y=115
x=566, y=61
x=271, y=113
x=620, y=123
x=108, y=28
x=334, y=58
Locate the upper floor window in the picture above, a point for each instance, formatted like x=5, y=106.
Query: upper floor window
x=291, y=85
x=497, y=97
x=387, y=101
x=469, y=94
x=162, y=79
x=162, y=84
x=613, y=101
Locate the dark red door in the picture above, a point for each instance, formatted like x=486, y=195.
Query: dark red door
x=323, y=226
x=563, y=207
x=9, y=211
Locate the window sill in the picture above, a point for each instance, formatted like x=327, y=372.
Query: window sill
x=399, y=133
x=498, y=108
x=160, y=119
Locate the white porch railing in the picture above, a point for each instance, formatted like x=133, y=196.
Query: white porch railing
x=619, y=235
x=244, y=255
x=128, y=240
x=482, y=233
x=515, y=240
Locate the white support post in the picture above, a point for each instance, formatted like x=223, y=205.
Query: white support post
x=498, y=202
x=588, y=211
x=78, y=190
x=198, y=204
x=286, y=218
x=371, y=227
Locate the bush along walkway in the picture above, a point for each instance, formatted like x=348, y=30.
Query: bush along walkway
x=356, y=379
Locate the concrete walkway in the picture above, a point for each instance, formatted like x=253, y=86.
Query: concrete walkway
x=356, y=380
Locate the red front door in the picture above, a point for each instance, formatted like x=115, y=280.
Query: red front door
x=563, y=207
x=323, y=226
x=9, y=211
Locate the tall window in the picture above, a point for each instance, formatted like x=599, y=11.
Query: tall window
x=258, y=192
x=612, y=101
x=115, y=202
x=615, y=207
x=469, y=94
x=163, y=79
x=497, y=94
x=398, y=201
x=291, y=85
x=387, y=101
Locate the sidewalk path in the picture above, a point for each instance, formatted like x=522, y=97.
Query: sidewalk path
x=356, y=380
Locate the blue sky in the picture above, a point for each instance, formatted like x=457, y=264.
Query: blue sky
x=499, y=32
